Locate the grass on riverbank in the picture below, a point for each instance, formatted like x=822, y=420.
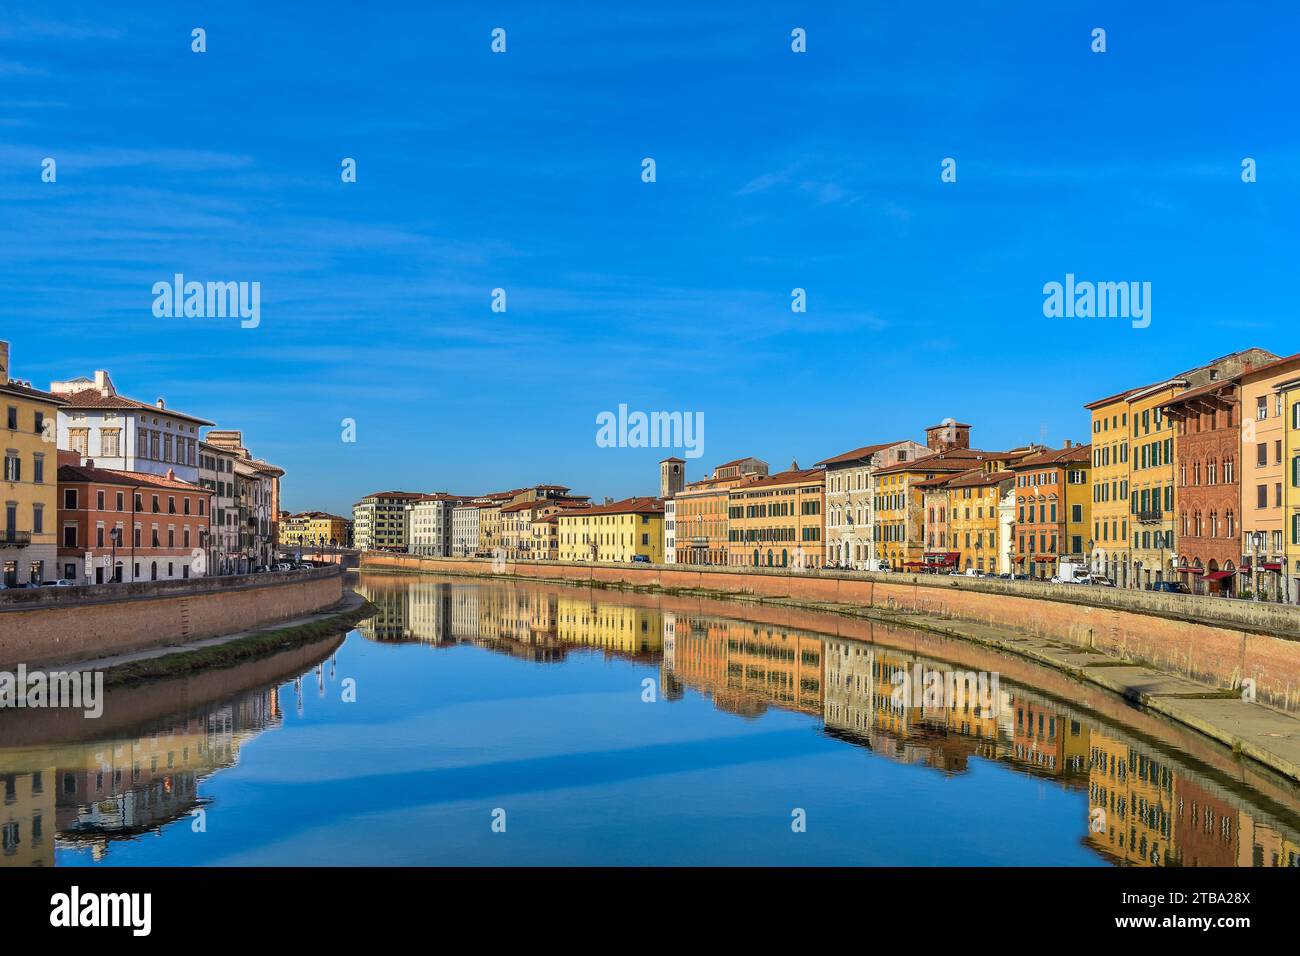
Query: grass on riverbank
x=233, y=652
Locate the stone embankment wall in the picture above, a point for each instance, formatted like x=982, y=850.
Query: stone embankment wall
x=49, y=626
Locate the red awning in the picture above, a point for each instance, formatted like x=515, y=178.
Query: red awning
x=1189, y=570
x=915, y=564
x=1020, y=560
x=1218, y=575
x=1272, y=566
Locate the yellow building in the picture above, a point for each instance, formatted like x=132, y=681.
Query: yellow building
x=312, y=529
x=777, y=520
x=972, y=524
x=617, y=629
x=1151, y=484
x=29, y=482
x=1133, y=465
x=628, y=530
x=1269, y=478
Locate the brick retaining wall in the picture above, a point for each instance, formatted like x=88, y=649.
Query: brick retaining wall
x=39, y=627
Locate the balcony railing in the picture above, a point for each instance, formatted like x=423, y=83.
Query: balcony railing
x=1151, y=517
x=9, y=538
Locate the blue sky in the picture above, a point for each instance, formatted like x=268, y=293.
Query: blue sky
x=522, y=171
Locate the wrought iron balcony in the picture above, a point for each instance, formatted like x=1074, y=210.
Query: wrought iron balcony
x=9, y=538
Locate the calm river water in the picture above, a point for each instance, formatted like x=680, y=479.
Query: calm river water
x=503, y=723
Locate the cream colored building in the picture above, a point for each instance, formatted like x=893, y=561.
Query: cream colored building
x=849, y=513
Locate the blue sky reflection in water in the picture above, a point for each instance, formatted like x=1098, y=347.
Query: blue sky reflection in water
x=517, y=709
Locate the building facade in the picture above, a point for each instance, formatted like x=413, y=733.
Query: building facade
x=670, y=531
x=217, y=475
x=1134, y=539
x=29, y=483
x=1207, y=512
x=778, y=520
x=256, y=502
x=1053, y=510
x=124, y=434
x=129, y=526
x=465, y=530
x=973, y=499
x=1268, y=477
x=429, y=524
x=379, y=521
x=316, y=529
x=700, y=513
x=850, y=515
x=620, y=531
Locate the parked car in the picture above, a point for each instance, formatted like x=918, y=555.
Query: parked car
x=1101, y=581
x=640, y=559
x=61, y=583
x=1171, y=587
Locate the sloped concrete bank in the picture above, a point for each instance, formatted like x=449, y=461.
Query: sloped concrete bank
x=1186, y=670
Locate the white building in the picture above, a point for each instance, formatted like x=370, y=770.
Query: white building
x=670, y=532
x=123, y=434
x=465, y=529
x=850, y=511
x=1006, y=529
x=429, y=524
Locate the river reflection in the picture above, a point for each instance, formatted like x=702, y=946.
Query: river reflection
x=550, y=724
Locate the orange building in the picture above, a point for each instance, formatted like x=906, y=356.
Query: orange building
x=1052, y=509
x=777, y=520
x=129, y=525
x=700, y=532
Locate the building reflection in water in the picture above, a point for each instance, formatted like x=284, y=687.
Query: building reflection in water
x=1144, y=807
x=1156, y=811
x=86, y=796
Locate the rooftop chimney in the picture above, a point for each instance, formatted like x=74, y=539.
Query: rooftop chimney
x=160, y=403
x=1069, y=443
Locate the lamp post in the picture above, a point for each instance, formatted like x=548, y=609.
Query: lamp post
x=1011, y=554
x=979, y=551
x=1137, y=574
x=848, y=518
x=1092, y=557
x=1256, y=545
x=116, y=537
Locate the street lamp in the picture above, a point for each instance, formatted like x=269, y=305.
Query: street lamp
x=116, y=537
x=1257, y=545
